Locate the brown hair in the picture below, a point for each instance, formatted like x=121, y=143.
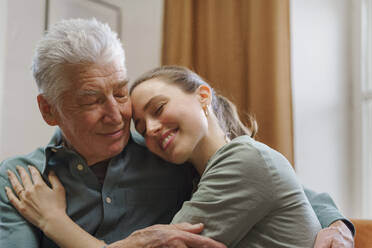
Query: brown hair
x=189, y=82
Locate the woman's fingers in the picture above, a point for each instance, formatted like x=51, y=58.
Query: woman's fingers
x=55, y=182
x=26, y=180
x=17, y=186
x=35, y=175
x=35, y=201
x=12, y=198
x=24, y=206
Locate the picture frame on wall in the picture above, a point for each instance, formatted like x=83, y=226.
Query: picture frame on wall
x=56, y=10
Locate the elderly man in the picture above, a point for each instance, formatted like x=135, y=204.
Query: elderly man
x=114, y=186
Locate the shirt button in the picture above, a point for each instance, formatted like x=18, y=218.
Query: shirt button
x=108, y=200
x=80, y=167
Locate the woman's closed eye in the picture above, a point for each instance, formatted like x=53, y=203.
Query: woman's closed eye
x=159, y=108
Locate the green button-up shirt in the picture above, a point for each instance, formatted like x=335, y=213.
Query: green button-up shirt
x=139, y=190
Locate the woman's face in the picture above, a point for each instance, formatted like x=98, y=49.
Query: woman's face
x=171, y=121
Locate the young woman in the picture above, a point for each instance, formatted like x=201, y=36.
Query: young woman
x=248, y=194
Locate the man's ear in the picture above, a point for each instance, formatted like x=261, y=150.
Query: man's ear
x=47, y=111
x=204, y=94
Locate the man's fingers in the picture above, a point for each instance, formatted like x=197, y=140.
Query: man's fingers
x=25, y=177
x=55, y=182
x=332, y=237
x=177, y=244
x=192, y=228
x=17, y=186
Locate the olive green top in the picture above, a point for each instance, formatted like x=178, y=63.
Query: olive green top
x=249, y=196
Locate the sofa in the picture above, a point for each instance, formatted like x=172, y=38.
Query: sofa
x=363, y=235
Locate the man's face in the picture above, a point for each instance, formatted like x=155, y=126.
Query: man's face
x=96, y=111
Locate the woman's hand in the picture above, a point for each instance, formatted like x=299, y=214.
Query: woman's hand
x=45, y=207
x=34, y=200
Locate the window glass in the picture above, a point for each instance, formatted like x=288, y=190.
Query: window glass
x=367, y=155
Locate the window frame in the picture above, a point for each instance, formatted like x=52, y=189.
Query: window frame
x=362, y=96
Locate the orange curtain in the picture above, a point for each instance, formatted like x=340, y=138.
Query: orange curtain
x=242, y=48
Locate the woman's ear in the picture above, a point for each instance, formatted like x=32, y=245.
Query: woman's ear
x=47, y=111
x=204, y=94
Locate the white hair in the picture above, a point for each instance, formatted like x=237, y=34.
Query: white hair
x=72, y=42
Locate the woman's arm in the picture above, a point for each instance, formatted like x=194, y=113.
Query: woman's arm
x=45, y=208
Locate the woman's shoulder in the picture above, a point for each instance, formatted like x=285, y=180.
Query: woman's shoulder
x=248, y=149
x=251, y=157
x=259, y=150
x=265, y=163
x=241, y=154
x=242, y=146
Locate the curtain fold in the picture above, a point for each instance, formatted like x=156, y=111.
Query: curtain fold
x=242, y=48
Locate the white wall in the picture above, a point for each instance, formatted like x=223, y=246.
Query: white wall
x=3, y=19
x=142, y=30
x=21, y=126
x=321, y=80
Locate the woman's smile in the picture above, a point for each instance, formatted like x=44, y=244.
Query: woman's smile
x=168, y=137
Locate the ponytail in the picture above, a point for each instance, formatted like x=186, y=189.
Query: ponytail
x=229, y=120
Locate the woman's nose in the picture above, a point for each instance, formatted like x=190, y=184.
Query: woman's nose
x=153, y=127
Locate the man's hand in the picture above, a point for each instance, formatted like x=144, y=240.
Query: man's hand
x=182, y=235
x=337, y=235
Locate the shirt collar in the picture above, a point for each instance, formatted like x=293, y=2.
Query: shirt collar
x=55, y=144
x=58, y=143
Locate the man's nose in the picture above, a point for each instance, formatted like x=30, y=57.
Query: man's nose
x=112, y=112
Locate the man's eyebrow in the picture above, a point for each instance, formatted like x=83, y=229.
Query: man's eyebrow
x=91, y=92
x=151, y=101
x=87, y=92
